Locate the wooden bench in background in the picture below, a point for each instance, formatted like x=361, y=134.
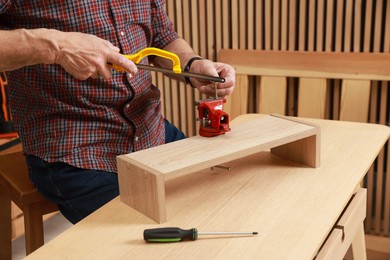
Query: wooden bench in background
x=313, y=72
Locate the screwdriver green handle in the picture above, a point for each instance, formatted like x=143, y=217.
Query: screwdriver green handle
x=170, y=234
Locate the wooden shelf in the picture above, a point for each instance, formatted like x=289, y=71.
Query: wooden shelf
x=142, y=175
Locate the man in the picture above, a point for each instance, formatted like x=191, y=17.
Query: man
x=73, y=113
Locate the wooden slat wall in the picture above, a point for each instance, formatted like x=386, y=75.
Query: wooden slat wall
x=321, y=25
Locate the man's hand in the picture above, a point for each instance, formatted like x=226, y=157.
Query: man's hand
x=86, y=56
x=216, y=69
x=82, y=55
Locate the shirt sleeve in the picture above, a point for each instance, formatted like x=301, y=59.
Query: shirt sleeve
x=163, y=30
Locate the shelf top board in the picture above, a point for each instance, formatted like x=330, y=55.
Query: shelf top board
x=198, y=153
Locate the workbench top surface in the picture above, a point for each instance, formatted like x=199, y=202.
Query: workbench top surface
x=293, y=207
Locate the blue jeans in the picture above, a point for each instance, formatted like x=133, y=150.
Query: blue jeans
x=79, y=192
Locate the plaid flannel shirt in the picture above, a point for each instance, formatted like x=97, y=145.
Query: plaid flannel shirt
x=88, y=123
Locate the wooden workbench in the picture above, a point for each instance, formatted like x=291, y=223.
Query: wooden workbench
x=296, y=209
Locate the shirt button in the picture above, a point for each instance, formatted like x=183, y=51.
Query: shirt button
x=127, y=106
x=136, y=139
x=122, y=33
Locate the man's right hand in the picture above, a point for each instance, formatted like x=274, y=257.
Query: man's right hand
x=82, y=55
x=85, y=56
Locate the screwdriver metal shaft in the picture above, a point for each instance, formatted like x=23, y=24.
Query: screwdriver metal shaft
x=227, y=233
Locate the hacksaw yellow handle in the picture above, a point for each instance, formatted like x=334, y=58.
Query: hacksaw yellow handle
x=137, y=57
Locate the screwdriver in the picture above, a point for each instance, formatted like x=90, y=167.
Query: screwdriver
x=175, y=234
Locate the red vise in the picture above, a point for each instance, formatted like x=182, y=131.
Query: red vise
x=213, y=120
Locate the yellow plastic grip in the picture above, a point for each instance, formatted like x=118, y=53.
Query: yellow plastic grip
x=137, y=57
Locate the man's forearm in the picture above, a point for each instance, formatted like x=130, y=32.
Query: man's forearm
x=182, y=49
x=19, y=48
